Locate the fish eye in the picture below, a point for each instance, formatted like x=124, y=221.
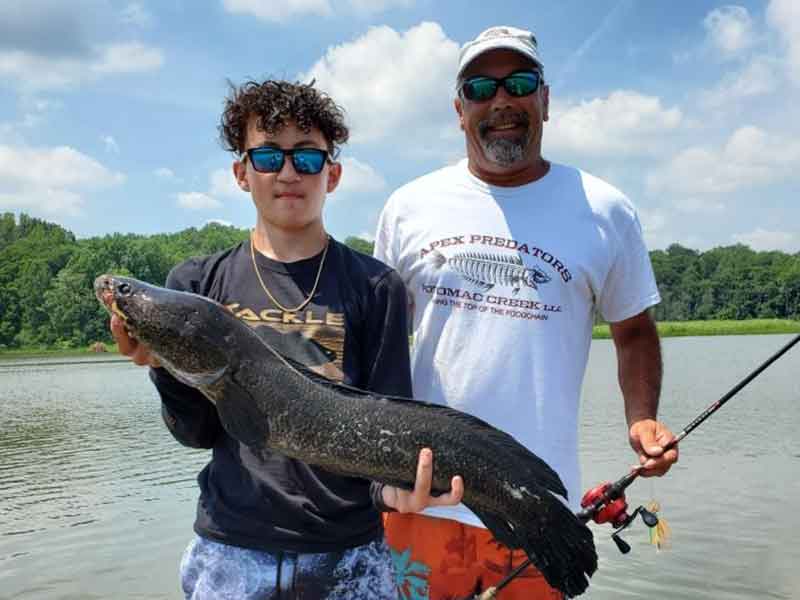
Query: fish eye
x=124, y=288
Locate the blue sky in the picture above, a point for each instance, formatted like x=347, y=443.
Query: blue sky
x=108, y=110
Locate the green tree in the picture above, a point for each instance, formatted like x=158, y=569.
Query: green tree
x=360, y=244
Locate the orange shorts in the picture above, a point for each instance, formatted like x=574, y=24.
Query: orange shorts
x=441, y=559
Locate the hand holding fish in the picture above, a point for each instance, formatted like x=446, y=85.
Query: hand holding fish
x=129, y=346
x=420, y=497
x=648, y=438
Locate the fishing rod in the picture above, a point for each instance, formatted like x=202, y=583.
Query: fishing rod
x=606, y=502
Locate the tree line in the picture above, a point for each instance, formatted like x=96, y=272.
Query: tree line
x=47, y=274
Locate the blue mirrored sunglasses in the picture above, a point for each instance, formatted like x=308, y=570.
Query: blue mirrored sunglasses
x=518, y=84
x=306, y=161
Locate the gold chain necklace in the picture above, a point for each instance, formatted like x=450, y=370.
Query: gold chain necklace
x=303, y=304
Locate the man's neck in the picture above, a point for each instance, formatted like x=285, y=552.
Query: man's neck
x=289, y=246
x=512, y=177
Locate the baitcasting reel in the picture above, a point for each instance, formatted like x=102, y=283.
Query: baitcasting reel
x=614, y=511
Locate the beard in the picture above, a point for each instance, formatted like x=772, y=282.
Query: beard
x=505, y=151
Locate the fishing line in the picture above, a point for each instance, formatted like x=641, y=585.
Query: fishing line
x=606, y=494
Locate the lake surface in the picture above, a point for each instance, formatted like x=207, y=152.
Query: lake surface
x=97, y=500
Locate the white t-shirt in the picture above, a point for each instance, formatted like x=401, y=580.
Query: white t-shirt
x=505, y=282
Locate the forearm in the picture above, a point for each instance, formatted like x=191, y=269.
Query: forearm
x=639, y=366
x=190, y=417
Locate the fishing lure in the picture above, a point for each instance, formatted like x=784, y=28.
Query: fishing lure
x=660, y=535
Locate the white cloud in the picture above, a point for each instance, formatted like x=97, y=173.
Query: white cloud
x=762, y=239
x=751, y=157
x=197, y=201
x=730, y=30
x=623, y=123
x=218, y=222
x=136, y=14
x=368, y=7
x=359, y=177
x=39, y=71
x=128, y=58
x=110, y=144
x=223, y=183
x=784, y=16
x=278, y=11
x=50, y=180
x=412, y=97
x=758, y=77
x=367, y=235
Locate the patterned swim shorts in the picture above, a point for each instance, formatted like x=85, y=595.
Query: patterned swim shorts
x=211, y=570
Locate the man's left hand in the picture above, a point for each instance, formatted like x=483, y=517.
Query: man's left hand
x=648, y=438
x=420, y=498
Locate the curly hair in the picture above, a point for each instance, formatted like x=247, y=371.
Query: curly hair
x=274, y=104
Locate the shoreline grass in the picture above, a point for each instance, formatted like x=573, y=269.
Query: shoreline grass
x=713, y=328
x=17, y=353
x=600, y=332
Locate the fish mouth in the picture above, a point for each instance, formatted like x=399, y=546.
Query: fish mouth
x=104, y=287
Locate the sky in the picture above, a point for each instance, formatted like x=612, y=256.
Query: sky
x=109, y=110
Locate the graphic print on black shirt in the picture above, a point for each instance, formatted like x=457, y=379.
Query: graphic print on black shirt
x=313, y=337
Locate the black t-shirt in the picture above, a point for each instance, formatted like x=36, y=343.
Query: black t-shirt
x=353, y=330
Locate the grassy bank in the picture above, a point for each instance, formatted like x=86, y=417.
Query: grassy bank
x=697, y=328
x=56, y=352
x=665, y=329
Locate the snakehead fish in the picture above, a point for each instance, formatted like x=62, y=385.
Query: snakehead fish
x=273, y=404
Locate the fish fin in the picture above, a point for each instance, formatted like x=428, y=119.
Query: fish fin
x=196, y=380
x=239, y=414
x=437, y=258
x=557, y=542
x=501, y=529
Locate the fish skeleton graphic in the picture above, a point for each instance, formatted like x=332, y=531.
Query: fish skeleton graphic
x=487, y=270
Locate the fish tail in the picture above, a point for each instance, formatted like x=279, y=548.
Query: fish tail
x=557, y=542
x=437, y=258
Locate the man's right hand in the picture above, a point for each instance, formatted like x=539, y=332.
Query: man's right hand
x=128, y=346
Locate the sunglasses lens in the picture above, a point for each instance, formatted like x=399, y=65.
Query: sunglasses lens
x=479, y=89
x=308, y=161
x=521, y=84
x=267, y=160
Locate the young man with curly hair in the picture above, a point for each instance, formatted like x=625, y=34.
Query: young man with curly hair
x=269, y=526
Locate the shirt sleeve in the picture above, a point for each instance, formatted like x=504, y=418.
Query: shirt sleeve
x=384, y=249
x=630, y=287
x=191, y=418
x=386, y=348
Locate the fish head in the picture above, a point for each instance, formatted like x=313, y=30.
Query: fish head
x=186, y=332
x=534, y=277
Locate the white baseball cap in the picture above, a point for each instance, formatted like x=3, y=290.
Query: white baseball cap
x=502, y=36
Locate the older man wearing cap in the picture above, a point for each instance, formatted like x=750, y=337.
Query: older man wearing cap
x=506, y=257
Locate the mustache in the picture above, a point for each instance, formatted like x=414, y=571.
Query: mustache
x=503, y=118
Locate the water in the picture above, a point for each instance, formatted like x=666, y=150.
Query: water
x=97, y=500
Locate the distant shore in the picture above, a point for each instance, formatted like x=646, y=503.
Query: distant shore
x=705, y=328
x=600, y=332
